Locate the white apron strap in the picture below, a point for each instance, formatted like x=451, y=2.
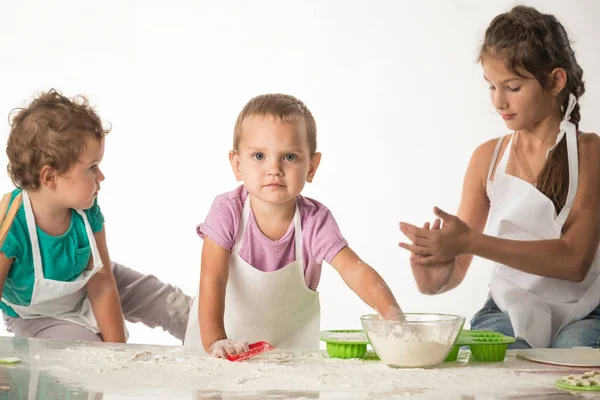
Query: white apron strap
x=501, y=168
x=570, y=130
x=242, y=228
x=298, y=233
x=244, y=223
x=97, y=261
x=495, y=157
x=35, y=244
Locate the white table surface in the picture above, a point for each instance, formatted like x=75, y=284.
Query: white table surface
x=77, y=370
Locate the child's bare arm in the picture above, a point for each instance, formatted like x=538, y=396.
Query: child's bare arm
x=569, y=257
x=213, y=281
x=104, y=297
x=366, y=283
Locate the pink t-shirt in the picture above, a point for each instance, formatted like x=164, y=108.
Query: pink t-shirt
x=321, y=236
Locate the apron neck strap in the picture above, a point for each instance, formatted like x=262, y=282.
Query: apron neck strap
x=96, y=259
x=242, y=226
x=31, y=227
x=35, y=244
x=244, y=223
x=494, y=158
x=501, y=168
x=565, y=123
x=568, y=129
x=298, y=233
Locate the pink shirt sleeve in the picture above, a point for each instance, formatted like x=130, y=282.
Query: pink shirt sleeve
x=222, y=221
x=326, y=240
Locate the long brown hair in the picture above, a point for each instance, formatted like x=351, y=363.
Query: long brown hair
x=538, y=43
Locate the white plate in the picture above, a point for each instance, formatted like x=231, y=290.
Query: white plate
x=575, y=357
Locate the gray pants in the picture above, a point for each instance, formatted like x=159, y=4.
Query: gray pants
x=144, y=299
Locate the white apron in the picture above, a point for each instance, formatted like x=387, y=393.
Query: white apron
x=274, y=306
x=538, y=307
x=66, y=301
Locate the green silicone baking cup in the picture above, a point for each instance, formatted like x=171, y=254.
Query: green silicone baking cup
x=488, y=352
x=467, y=337
x=486, y=346
x=344, y=348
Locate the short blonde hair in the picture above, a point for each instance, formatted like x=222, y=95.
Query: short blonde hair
x=286, y=108
x=52, y=130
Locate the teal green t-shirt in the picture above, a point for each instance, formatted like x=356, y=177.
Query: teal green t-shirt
x=64, y=257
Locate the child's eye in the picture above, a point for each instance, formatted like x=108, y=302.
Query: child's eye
x=492, y=88
x=515, y=89
x=94, y=167
x=258, y=156
x=290, y=157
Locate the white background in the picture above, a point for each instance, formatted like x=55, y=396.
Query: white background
x=395, y=88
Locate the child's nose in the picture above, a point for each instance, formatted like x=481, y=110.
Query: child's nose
x=500, y=101
x=274, y=168
x=100, y=176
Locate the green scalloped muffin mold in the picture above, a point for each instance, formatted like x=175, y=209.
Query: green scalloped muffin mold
x=486, y=346
x=345, y=343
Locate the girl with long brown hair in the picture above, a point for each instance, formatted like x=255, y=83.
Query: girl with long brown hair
x=537, y=190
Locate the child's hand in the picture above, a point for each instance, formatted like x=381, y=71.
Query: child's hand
x=222, y=347
x=438, y=245
x=431, y=278
x=393, y=314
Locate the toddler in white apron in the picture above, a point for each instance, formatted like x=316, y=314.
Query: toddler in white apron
x=57, y=279
x=264, y=243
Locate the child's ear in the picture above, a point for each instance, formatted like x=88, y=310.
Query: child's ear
x=48, y=177
x=312, y=169
x=236, y=165
x=558, y=80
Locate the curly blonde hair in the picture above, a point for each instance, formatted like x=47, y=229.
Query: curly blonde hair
x=51, y=131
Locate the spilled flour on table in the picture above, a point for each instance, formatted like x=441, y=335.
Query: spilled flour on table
x=133, y=369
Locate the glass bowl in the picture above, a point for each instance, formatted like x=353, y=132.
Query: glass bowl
x=422, y=340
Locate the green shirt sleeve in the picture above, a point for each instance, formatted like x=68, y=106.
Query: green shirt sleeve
x=95, y=217
x=12, y=244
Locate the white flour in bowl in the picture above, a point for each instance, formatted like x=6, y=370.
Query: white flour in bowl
x=409, y=349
